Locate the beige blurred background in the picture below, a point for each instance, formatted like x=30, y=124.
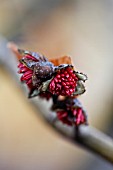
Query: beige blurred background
x=82, y=29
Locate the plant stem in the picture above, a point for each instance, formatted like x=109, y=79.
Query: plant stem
x=95, y=141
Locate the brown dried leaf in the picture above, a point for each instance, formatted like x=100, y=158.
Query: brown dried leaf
x=61, y=60
x=14, y=48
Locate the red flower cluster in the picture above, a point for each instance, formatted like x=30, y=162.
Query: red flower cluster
x=36, y=70
x=69, y=111
x=73, y=117
x=27, y=76
x=64, y=83
x=47, y=80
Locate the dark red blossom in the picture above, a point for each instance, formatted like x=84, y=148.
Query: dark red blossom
x=25, y=66
x=35, y=70
x=69, y=111
x=42, y=75
x=27, y=78
x=73, y=117
x=64, y=82
x=45, y=78
x=55, y=79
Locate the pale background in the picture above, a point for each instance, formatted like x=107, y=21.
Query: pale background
x=82, y=29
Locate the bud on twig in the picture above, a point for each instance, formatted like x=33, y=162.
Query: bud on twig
x=70, y=111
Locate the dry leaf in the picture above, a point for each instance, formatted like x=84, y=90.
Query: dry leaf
x=14, y=48
x=61, y=60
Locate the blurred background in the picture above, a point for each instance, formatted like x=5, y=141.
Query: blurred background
x=82, y=29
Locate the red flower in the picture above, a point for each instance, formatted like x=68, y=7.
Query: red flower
x=73, y=117
x=49, y=79
x=41, y=75
x=64, y=82
x=34, y=70
x=69, y=111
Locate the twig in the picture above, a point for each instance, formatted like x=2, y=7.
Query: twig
x=86, y=136
x=96, y=141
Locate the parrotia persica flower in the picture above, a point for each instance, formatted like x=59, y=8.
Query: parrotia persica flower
x=53, y=78
x=70, y=111
x=44, y=77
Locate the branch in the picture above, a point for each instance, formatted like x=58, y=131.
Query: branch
x=96, y=141
x=86, y=136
